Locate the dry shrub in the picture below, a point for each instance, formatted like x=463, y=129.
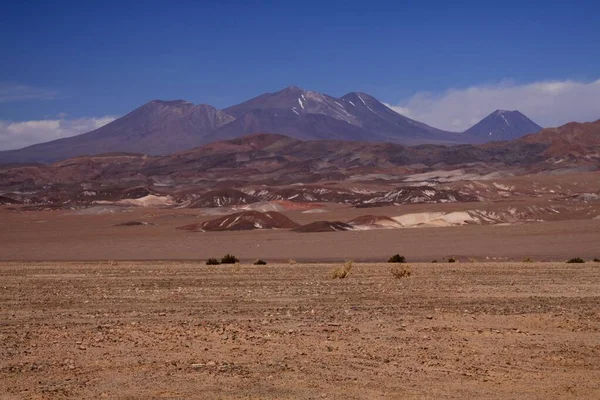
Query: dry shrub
x=229, y=259
x=292, y=261
x=527, y=260
x=397, y=258
x=401, y=272
x=343, y=271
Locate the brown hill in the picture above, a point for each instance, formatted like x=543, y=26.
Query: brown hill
x=243, y=221
x=571, y=140
x=324, y=226
x=222, y=198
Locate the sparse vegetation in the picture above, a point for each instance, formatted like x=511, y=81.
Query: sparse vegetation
x=527, y=260
x=401, y=272
x=291, y=261
x=343, y=271
x=229, y=259
x=451, y=260
x=212, y=261
x=576, y=260
x=260, y=262
x=397, y=259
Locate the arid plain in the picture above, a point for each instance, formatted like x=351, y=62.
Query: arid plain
x=174, y=330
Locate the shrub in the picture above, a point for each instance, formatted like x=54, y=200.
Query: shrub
x=212, y=261
x=229, y=259
x=397, y=259
x=527, y=260
x=291, y=261
x=576, y=260
x=401, y=272
x=260, y=262
x=451, y=260
x=343, y=271
x=596, y=259
x=434, y=261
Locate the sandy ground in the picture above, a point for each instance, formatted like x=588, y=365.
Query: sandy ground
x=60, y=235
x=185, y=330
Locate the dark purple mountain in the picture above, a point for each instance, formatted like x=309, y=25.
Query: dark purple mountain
x=502, y=125
x=165, y=127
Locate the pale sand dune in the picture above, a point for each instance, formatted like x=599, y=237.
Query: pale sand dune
x=435, y=219
x=148, y=201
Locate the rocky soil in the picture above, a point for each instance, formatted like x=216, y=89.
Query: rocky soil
x=128, y=330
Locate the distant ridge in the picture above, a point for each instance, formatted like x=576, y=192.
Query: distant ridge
x=164, y=127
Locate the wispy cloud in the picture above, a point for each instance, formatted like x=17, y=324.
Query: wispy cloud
x=15, y=135
x=11, y=92
x=548, y=103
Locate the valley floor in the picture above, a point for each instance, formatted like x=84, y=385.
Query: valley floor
x=60, y=235
x=172, y=330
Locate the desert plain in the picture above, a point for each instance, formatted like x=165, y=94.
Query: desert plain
x=182, y=329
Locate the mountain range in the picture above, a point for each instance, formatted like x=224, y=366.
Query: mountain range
x=165, y=127
x=271, y=159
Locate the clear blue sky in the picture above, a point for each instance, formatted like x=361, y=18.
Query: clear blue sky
x=98, y=58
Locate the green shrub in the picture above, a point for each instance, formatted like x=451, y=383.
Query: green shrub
x=229, y=259
x=343, y=271
x=401, y=272
x=451, y=260
x=260, y=262
x=397, y=259
x=212, y=261
x=576, y=260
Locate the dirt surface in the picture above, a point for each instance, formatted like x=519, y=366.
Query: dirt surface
x=68, y=235
x=132, y=330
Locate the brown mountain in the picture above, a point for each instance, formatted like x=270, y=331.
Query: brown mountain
x=276, y=160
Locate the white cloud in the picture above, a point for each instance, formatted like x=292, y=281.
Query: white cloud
x=15, y=135
x=548, y=103
x=11, y=92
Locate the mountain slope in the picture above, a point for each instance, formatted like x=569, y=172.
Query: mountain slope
x=157, y=127
x=166, y=127
x=502, y=125
x=266, y=160
x=312, y=115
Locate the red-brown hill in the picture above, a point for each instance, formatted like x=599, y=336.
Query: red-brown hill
x=244, y=221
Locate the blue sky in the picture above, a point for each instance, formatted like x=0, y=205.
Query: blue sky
x=75, y=59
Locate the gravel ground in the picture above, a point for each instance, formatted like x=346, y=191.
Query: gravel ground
x=180, y=330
